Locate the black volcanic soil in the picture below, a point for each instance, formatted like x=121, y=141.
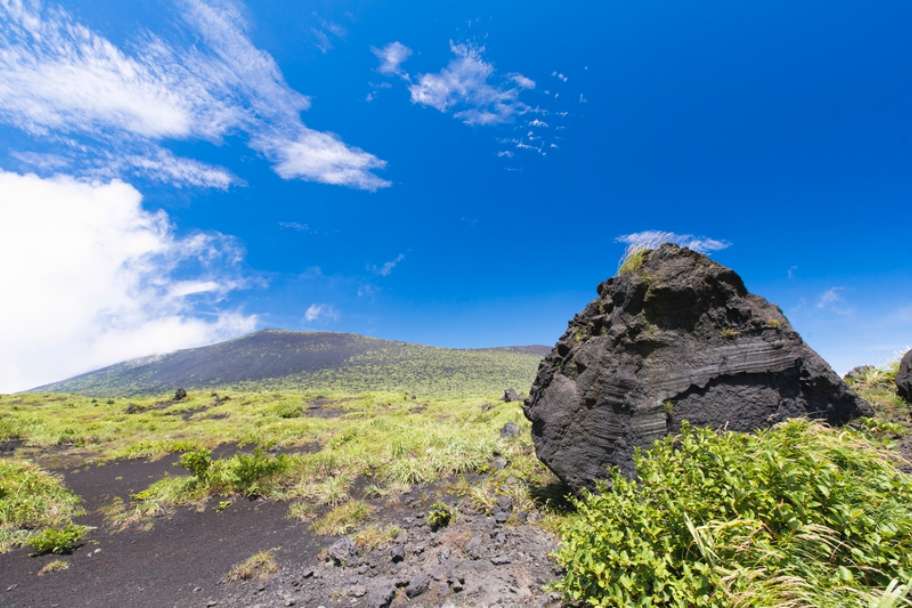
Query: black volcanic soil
x=180, y=560
x=183, y=559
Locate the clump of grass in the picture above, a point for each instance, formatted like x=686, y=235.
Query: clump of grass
x=289, y=410
x=798, y=515
x=633, y=261
x=57, y=565
x=373, y=536
x=343, y=519
x=439, y=516
x=260, y=565
x=57, y=540
x=32, y=500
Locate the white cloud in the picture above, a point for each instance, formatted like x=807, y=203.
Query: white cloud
x=320, y=312
x=92, y=278
x=560, y=76
x=322, y=157
x=464, y=87
x=831, y=298
x=650, y=239
x=523, y=81
x=391, y=57
x=386, y=269
x=59, y=77
x=296, y=226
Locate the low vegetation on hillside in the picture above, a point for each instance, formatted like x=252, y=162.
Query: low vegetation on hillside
x=306, y=447
x=799, y=515
x=36, y=509
x=286, y=360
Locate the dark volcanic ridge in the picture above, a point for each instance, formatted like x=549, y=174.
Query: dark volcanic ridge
x=268, y=355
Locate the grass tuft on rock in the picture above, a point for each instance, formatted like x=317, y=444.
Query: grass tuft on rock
x=798, y=515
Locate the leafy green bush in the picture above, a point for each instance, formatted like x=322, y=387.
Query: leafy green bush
x=798, y=515
x=439, y=516
x=246, y=473
x=197, y=462
x=289, y=410
x=57, y=540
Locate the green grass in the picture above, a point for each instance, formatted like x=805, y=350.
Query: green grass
x=390, y=440
x=34, y=506
x=799, y=515
x=261, y=565
x=57, y=540
x=633, y=261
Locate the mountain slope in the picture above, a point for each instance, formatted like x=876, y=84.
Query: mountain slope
x=285, y=359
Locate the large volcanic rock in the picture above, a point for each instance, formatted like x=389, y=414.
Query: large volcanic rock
x=675, y=337
x=904, y=377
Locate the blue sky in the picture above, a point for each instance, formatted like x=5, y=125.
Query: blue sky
x=456, y=174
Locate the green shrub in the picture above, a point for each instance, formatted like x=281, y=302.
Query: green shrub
x=57, y=540
x=246, y=473
x=439, y=516
x=197, y=462
x=289, y=410
x=797, y=515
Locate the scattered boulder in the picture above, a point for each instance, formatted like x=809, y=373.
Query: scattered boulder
x=674, y=337
x=179, y=395
x=417, y=585
x=511, y=395
x=342, y=551
x=381, y=594
x=509, y=430
x=904, y=377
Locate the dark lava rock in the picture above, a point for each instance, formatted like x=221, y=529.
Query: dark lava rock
x=342, y=551
x=397, y=553
x=904, y=378
x=179, y=395
x=381, y=594
x=511, y=395
x=676, y=338
x=417, y=585
x=509, y=430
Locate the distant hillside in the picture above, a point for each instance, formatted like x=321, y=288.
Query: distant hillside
x=277, y=359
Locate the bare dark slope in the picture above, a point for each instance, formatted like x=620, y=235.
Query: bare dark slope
x=272, y=355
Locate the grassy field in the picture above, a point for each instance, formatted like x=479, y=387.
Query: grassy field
x=308, y=447
x=331, y=451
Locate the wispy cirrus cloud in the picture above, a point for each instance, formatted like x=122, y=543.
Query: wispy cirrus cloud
x=650, y=239
x=62, y=81
x=320, y=312
x=391, y=57
x=386, y=269
x=468, y=87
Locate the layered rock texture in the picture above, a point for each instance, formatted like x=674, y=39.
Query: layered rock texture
x=674, y=337
x=904, y=377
